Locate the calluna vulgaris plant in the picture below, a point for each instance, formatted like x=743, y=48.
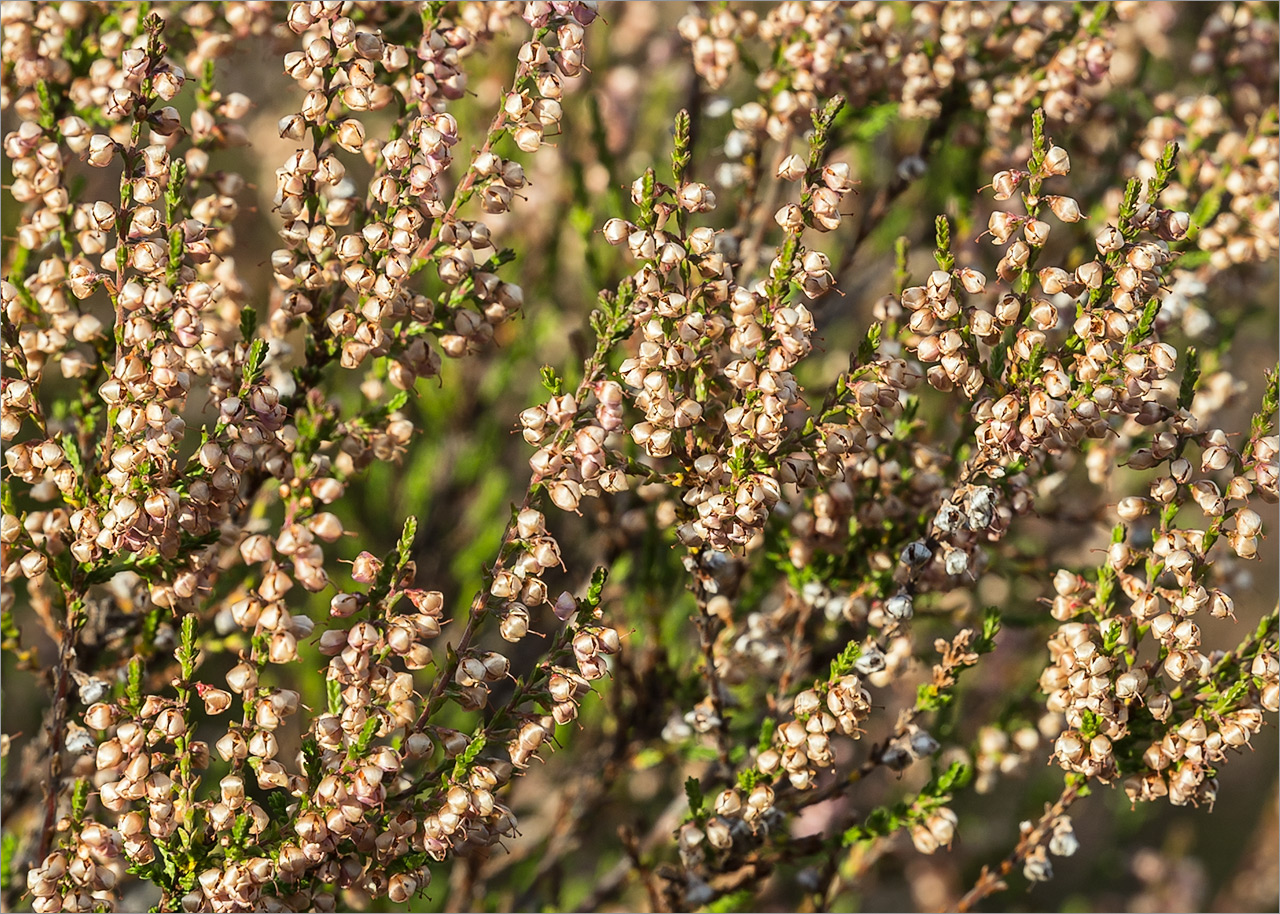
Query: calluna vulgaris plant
x=1025, y=464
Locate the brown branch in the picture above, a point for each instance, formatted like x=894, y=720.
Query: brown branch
x=991, y=880
x=592, y=372
x=708, y=627
x=880, y=205
x=635, y=856
x=762, y=217
x=608, y=885
x=62, y=689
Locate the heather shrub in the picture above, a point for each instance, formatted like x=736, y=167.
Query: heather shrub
x=513, y=456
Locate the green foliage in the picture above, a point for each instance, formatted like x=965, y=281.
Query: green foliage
x=748, y=778
x=253, y=364
x=821, y=135
x=901, y=271
x=360, y=747
x=1264, y=419
x=741, y=900
x=767, y=728
x=942, y=251
x=681, y=153
x=1190, y=377
x=647, y=217
x=1165, y=167
x=467, y=758
x=1039, y=147
x=598, y=579
x=188, y=650
x=551, y=381
x=1129, y=227
x=693, y=793
x=133, y=683
x=79, y=799
x=8, y=850
x=248, y=322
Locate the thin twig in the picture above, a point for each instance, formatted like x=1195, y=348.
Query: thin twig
x=708, y=628
x=610, y=883
x=762, y=217
x=57, y=725
x=991, y=880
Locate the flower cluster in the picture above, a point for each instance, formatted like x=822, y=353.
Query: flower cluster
x=808, y=480
x=134, y=506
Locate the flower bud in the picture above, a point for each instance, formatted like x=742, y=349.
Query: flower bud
x=1056, y=161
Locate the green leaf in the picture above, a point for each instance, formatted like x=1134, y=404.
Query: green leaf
x=168, y=865
x=173, y=193
x=361, y=746
x=942, y=252
x=1128, y=210
x=854, y=835
x=598, y=578
x=1164, y=172
x=870, y=343
x=377, y=414
x=1039, y=144
x=311, y=759
x=1229, y=699
x=239, y=833
x=48, y=117
x=8, y=850
x=1088, y=725
x=693, y=791
x=990, y=628
x=204, y=91
x=1000, y=353
x=150, y=623
x=870, y=122
x=930, y=698
x=1111, y=635
x=8, y=628
x=741, y=900
x=647, y=758
x=253, y=363
x=822, y=121
x=177, y=245
x=133, y=682
x=551, y=381
x=397, y=402
x=843, y=664
x=72, y=451
x=468, y=757
x=1146, y=322
x=1030, y=369
x=79, y=799
x=956, y=777
x=767, y=728
x=901, y=273
x=1265, y=416
x=1098, y=18
x=781, y=279
x=405, y=545
x=248, y=322
x=647, y=216
x=187, y=650
x=1208, y=207
x=278, y=805
x=681, y=153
